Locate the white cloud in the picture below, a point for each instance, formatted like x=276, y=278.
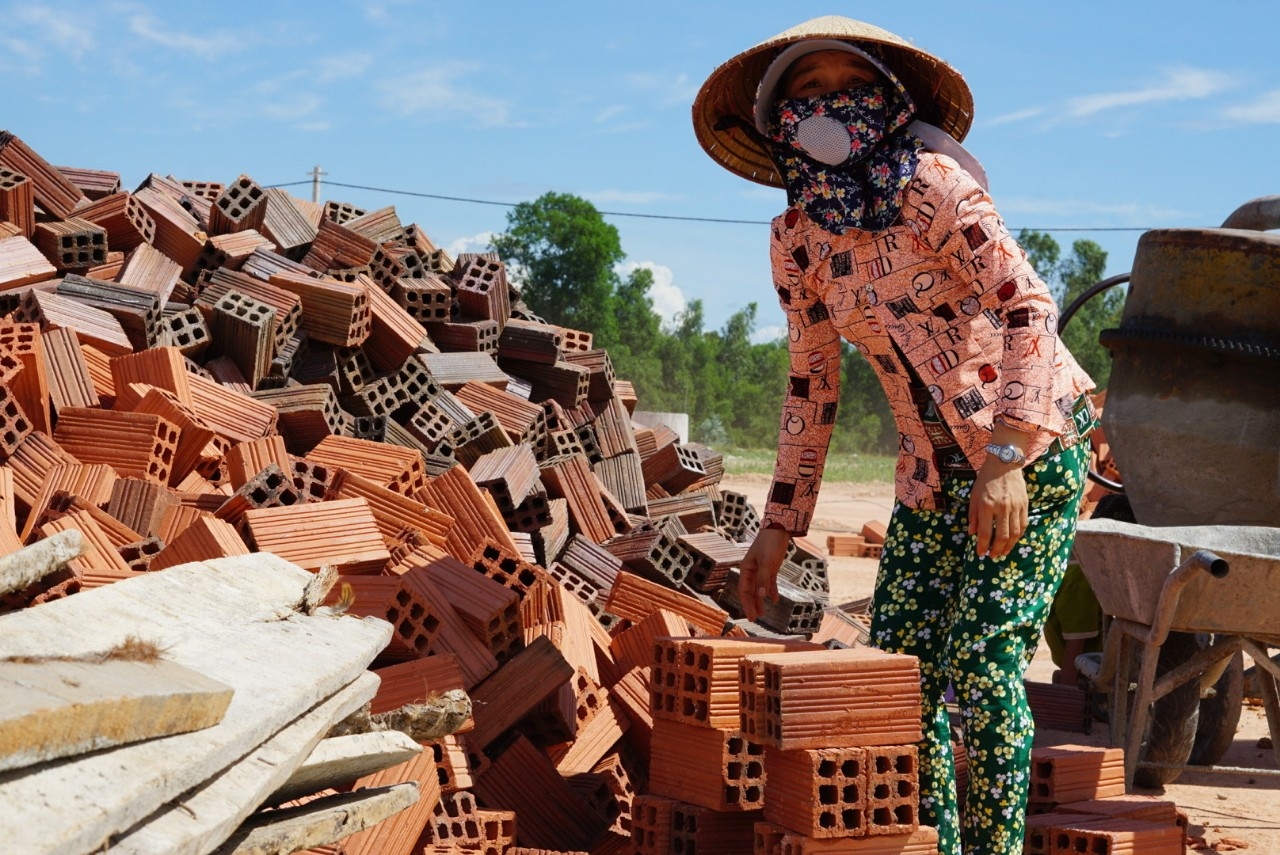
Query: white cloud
x=1179, y=84
x=342, y=67
x=293, y=107
x=1133, y=212
x=382, y=10
x=1017, y=116
x=18, y=57
x=670, y=91
x=765, y=335
x=1263, y=110
x=69, y=34
x=668, y=300
x=482, y=242
x=210, y=46
x=768, y=194
x=633, y=197
x=610, y=112
x=435, y=91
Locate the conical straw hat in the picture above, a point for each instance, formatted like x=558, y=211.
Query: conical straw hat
x=723, y=111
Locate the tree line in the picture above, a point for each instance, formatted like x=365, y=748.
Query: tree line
x=564, y=257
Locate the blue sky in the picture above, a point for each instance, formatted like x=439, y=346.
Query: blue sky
x=1088, y=114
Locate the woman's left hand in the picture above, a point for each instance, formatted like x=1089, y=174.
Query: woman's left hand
x=997, y=508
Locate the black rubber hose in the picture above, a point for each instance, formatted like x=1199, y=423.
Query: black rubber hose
x=1092, y=291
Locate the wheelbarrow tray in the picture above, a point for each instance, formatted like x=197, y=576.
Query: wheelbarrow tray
x=1128, y=564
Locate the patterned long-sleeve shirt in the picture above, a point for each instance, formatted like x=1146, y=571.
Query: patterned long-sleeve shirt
x=948, y=288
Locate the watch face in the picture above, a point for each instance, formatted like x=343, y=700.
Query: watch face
x=1005, y=453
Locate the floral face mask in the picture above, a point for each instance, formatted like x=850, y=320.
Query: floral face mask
x=845, y=156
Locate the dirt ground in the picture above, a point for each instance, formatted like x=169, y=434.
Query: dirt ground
x=1227, y=812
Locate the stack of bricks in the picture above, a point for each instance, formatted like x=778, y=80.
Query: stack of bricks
x=867, y=544
x=1078, y=804
x=196, y=369
x=781, y=747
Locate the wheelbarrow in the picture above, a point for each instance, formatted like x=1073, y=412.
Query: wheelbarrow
x=1217, y=579
x=1193, y=420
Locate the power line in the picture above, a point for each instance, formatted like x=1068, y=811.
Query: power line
x=466, y=199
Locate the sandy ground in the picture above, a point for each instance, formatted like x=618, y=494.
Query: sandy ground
x=1228, y=812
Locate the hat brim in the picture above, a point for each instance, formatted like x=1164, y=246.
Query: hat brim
x=942, y=97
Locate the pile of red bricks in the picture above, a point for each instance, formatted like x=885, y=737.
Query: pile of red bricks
x=191, y=370
x=1078, y=804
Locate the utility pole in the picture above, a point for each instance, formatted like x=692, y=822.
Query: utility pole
x=315, y=183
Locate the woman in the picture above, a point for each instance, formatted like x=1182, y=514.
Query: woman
x=891, y=242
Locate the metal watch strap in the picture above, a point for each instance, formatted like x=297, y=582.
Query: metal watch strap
x=1007, y=453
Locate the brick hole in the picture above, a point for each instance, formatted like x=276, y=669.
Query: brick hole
x=850, y=793
x=882, y=764
x=826, y=819
x=905, y=788
x=852, y=819
x=905, y=814
x=733, y=771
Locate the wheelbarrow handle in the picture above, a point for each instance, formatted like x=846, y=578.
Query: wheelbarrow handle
x=1202, y=560
x=1208, y=561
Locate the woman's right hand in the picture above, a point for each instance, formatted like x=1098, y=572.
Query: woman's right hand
x=758, y=573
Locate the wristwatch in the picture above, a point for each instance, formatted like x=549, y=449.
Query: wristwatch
x=1007, y=453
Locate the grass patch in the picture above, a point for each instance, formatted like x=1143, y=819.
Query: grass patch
x=857, y=468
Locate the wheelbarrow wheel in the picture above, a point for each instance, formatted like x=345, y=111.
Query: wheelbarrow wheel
x=1171, y=731
x=1219, y=715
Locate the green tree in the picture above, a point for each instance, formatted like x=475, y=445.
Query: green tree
x=1068, y=278
x=636, y=357
x=864, y=422
x=563, y=256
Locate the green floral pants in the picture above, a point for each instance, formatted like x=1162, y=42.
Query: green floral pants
x=974, y=623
